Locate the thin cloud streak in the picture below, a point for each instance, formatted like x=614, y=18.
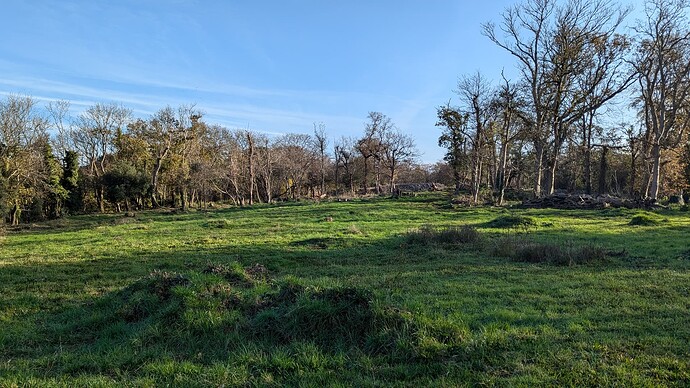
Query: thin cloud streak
x=240, y=115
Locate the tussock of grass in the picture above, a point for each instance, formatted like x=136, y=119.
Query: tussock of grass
x=236, y=274
x=152, y=296
x=218, y=224
x=528, y=251
x=451, y=235
x=512, y=221
x=353, y=229
x=645, y=219
x=317, y=242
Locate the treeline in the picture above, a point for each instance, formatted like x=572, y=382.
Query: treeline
x=552, y=127
x=105, y=160
x=549, y=129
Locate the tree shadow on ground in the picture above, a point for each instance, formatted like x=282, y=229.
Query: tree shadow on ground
x=81, y=318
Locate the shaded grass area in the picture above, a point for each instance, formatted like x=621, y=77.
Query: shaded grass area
x=512, y=221
x=167, y=298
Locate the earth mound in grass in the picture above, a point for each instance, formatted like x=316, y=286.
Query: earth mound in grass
x=645, y=219
x=221, y=223
x=512, y=221
x=237, y=306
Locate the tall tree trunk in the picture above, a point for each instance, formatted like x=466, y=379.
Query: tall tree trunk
x=336, y=177
x=456, y=178
x=15, y=214
x=588, y=169
x=323, y=174
x=183, y=199
x=603, y=166
x=587, y=148
x=100, y=198
x=538, y=169
x=501, y=177
x=250, y=145
x=552, y=175
x=632, y=170
x=154, y=182
x=365, y=185
x=352, y=181
x=656, y=167
x=377, y=172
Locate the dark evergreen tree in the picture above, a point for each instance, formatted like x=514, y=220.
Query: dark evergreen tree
x=55, y=193
x=125, y=185
x=70, y=182
x=452, y=139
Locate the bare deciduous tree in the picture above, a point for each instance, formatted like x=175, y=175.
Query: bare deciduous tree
x=321, y=144
x=662, y=62
x=398, y=148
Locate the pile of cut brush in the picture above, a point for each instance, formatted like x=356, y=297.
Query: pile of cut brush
x=586, y=201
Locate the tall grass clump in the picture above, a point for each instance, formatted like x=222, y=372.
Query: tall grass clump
x=451, y=235
x=525, y=250
x=218, y=224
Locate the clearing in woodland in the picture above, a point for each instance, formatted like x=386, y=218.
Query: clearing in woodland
x=367, y=292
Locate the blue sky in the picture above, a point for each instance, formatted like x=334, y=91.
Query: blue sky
x=271, y=66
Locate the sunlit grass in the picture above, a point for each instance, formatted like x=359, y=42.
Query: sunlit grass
x=483, y=319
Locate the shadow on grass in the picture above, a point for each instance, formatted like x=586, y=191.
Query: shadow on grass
x=100, y=317
x=207, y=317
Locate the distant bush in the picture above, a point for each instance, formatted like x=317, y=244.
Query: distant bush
x=527, y=251
x=644, y=219
x=452, y=235
x=512, y=221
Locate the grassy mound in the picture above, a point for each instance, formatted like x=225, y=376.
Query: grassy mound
x=218, y=224
x=645, y=219
x=225, y=308
x=512, y=221
x=318, y=242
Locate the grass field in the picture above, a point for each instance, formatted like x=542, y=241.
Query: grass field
x=356, y=293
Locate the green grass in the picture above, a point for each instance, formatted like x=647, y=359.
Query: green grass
x=512, y=221
x=276, y=295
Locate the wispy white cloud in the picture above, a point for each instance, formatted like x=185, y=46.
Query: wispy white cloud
x=220, y=108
